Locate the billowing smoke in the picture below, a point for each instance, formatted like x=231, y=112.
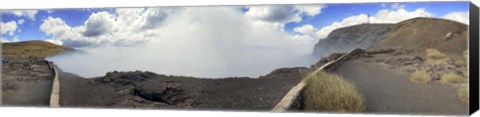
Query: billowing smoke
x=200, y=42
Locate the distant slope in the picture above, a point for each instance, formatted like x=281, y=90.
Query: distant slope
x=344, y=39
x=418, y=33
x=31, y=49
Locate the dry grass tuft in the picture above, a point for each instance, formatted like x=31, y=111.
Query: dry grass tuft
x=462, y=60
x=435, y=57
x=462, y=93
x=451, y=78
x=433, y=53
x=330, y=92
x=420, y=76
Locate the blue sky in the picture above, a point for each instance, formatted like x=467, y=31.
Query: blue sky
x=30, y=29
x=330, y=13
x=337, y=12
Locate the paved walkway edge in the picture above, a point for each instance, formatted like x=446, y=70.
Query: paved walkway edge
x=289, y=98
x=55, y=96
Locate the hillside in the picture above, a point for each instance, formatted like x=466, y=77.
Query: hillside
x=420, y=33
x=446, y=36
x=344, y=39
x=31, y=49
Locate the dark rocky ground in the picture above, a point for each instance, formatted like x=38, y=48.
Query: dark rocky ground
x=387, y=89
x=26, y=83
x=149, y=90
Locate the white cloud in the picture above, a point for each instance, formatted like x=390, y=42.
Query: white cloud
x=130, y=19
x=8, y=27
x=349, y=21
x=98, y=24
x=4, y=40
x=125, y=27
x=304, y=39
x=154, y=17
x=283, y=13
x=306, y=34
x=397, y=6
x=193, y=41
x=58, y=42
x=310, y=10
x=273, y=25
x=305, y=29
x=49, y=11
x=15, y=39
x=382, y=16
x=277, y=13
x=57, y=28
x=277, y=16
x=21, y=21
x=394, y=16
x=23, y=13
x=462, y=17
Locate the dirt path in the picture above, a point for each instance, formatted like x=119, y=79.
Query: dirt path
x=390, y=91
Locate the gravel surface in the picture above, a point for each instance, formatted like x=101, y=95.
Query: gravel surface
x=388, y=90
x=26, y=83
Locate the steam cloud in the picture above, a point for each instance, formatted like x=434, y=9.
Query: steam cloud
x=202, y=42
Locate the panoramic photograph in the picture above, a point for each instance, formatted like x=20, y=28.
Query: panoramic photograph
x=386, y=58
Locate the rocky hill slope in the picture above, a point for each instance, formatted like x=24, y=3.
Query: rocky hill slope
x=446, y=36
x=362, y=36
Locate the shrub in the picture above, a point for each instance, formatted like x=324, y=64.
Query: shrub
x=451, y=78
x=330, y=92
x=420, y=76
x=434, y=56
x=462, y=93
